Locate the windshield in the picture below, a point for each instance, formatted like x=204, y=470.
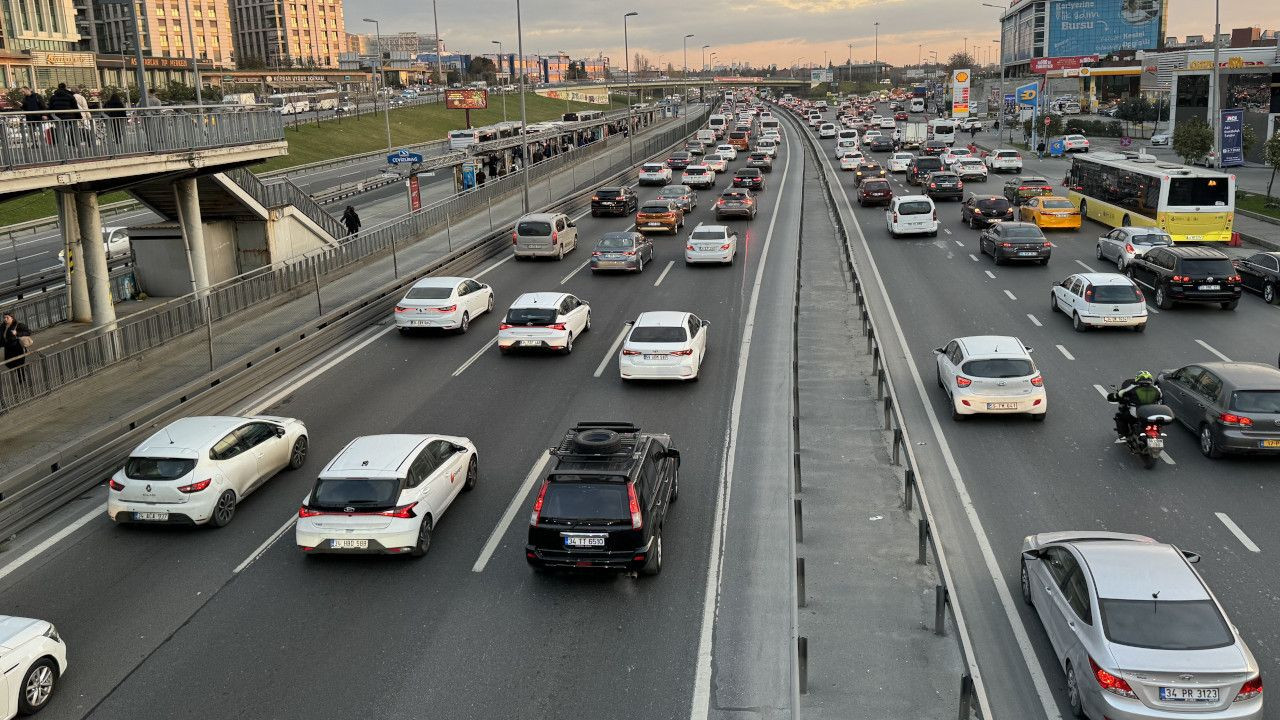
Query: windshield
x=146, y=468
x=1184, y=192
x=1115, y=294
x=999, y=368
x=529, y=227
x=1256, y=401
x=1216, y=268
x=1058, y=205
x=530, y=316
x=429, y=293
x=357, y=493
x=612, y=241
x=915, y=207
x=658, y=334
x=707, y=235
x=585, y=501
x=652, y=209
x=1165, y=624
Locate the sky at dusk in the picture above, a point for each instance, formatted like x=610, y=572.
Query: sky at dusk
x=784, y=32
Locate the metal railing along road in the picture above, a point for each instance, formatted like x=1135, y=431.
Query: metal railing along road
x=31, y=139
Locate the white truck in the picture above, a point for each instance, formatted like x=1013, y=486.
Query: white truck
x=242, y=98
x=914, y=134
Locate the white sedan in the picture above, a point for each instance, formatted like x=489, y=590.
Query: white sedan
x=870, y=135
x=900, y=161
x=1075, y=143
x=655, y=174
x=728, y=152
x=544, y=321
x=196, y=470
x=716, y=162
x=35, y=659
x=443, y=302
x=711, y=244
x=850, y=162
x=990, y=374
x=664, y=346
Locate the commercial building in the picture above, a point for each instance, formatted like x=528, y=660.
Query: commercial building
x=40, y=49
x=1062, y=34
x=1250, y=81
x=267, y=82
x=292, y=33
x=402, y=42
x=164, y=28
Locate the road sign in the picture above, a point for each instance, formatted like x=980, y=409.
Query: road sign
x=1057, y=148
x=1126, y=142
x=403, y=157
x=1027, y=94
x=1009, y=97
x=1046, y=121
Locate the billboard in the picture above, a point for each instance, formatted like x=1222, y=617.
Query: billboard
x=1028, y=94
x=1044, y=65
x=469, y=99
x=1232, y=138
x=1099, y=27
x=960, y=93
x=821, y=76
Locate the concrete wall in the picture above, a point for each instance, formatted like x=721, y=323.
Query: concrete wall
x=161, y=257
x=290, y=234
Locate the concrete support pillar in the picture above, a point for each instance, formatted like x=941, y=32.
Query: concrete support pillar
x=74, y=257
x=101, y=307
x=192, y=222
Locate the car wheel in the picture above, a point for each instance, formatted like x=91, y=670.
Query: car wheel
x=1126, y=222
x=1077, y=324
x=640, y=265
x=653, y=565
x=1231, y=304
x=1162, y=300
x=595, y=213
x=1039, y=417
x=1121, y=264
x=224, y=509
x=1053, y=304
x=675, y=487
x=568, y=345
x=1098, y=252
x=1208, y=445
x=464, y=324
x=1074, y=702
x=298, y=455
x=996, y=258
x=560, y=252
x=473, y=474
x=955, y=414
x=37, y=686
x=423, y=544
x=588, y=324
x=1269, y=293
x=1026, y=585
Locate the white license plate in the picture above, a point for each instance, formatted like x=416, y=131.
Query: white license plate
x=1027, y=254
x=1195, y=237
x=1209, y=287
x=1002, y=406
x=348, y=544
x=418, y=323
x=151, y=516
x=1155, y=443
x=531, y=343
x=1114, y=319
x=653, y=224
x=655, y=357
x=1189, y=694
x=578, y=541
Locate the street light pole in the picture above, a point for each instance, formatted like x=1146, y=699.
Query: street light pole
x=1215, y=97
x=435, y=20
x=704, y=57
x=877, y=52
x=626, y=50
x=524, y=117
x=195, y=65
x=504, y=95
x=684, y=96
x=386, y=104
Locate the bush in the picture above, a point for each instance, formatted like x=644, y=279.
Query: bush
x=1095, y=128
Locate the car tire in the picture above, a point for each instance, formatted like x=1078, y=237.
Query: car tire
x=1121, y=264
x=1208, y=445
x=1098, y=251
x=1084, y=207
x=489, y=307
x=1074, y=702
x=955, y=414
x=1039, y=417
x=933, y=234
x=996, y=258
x=588, y=324
x=1025, y=582
x=37, y=686
x=595, y=213
x=473, y=474
x=639, y=265
x=1231, y=304
x=298, y=453
x=1269, y=293
x=423, y=544
x=560, y=252
x=1162, y=300
x=1126, y=221
x=568, y=345
x=464, y=324
x=224, y=509
x=937, y=372
x=1053, y=304
x=1077, y=324
x=653, y=565
x=675, y=487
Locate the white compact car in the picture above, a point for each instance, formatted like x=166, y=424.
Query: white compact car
x=850, y=161
x=385, y=494
x=768, y=146
x=970, y=168
x=1123, y=244
x=899, y=161
x=826, y=130
x=911, y=215
x=196, y=470
x=1161, y=138
x=1004, y=160
x=664, y=346
x=655, y=174
x=543, y=321
x=1075, y=143
x=35, y=659
x=870, y=135
x=990, y=374
x=952, y=154
x=716, y=162
x=711, y=244
x=844, y=145
x=443, y=302
x=728, y=152
x=1100, y=300
x=114, y=239
x=698, y=176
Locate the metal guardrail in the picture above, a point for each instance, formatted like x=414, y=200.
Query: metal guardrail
x=973, y=694
x=46, y=309
x=32, y=139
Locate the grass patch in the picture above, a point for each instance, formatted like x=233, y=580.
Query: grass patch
x=1260, y=204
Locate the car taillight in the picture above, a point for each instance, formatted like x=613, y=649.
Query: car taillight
x=1005, y=244
x=1046, y=244
x=629, y=253
x=935, y=213
x=596, y=253
x=555, y=326
x=1233, y=279
x=515, y=238
x=196, y=487
x=895, y=217
x=1128, y=247
x=1250, y=690
x=959, y=184
x=720, y=202
x=933, y=185
x=306, y=512
x=630, y=352
x=1038, y=381
x=1180, y=278
x=962, y=381
x=401, y=309
x=682, y=353
x=1111, y=683
x=402, y=512
x=555, y=238
x=447, y=308
x=1023, y=188
x=689, y=247
x=537, y=504
x=117, y=486
x=595, y=198
x=1141, y=297
x=633, y=501
x=504, y=326
x=1237, y=420
x=1153, y=431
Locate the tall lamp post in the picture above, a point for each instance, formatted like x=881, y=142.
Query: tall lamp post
x=1215, y=97
x=524, y=117
x=195, y=64
x=684, y=96
x=504, y=95
x=704, y=57
x=386, y=104
x=435, y=20
x=626, y=51
x=877, y=52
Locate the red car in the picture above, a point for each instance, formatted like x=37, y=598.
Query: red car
x=900, y=116
x=874, y=192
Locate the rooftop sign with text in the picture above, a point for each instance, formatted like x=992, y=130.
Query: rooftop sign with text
x=469, y=99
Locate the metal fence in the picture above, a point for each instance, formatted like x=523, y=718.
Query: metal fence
x=48, y=369
x=280, y=192
x=41, y=138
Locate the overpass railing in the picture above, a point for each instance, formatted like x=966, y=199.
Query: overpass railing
x=279, y=192
x=38, y=138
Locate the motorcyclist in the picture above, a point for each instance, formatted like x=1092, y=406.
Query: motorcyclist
x=1139, y=390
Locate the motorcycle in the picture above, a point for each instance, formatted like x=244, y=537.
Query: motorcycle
x=1145, y=438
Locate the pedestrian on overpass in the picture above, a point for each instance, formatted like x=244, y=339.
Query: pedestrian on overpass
x=480, y=178
x=351, y=219
x=34, y=105
x=16, y=338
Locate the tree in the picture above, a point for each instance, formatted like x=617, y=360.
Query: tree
x=960, y=60
x=1271, y=154
x=1192, y=139
x=1248, y=139
x=452, y=76
x=483, y=67
x=577, y=72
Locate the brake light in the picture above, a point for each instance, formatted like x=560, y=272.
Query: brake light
x=1111, y=683
x=1006, y=244
x=1047, y=188
x=117, y=486
x=402, y=512
x=634, y=502
x=306, y=512
x=1180, y=278
x=1141, y=297
x=1237, y=420
x=515, y=238
x=1250, y=690
x=1153, y=431
x=1047, y=244
x=537, y=505
x=688, y=247
x=447, y=308
x=595, y=198
x=1128, y=247
x=959, y=184
x=1038, y=381
x=724, y=246
x=629, y=253
x=1023, y=187
x=504, y=326
x=555, y=238
x=196, y=487
x=630, y=353
x=596, y=253
x=555, y=326
x=895, y=217
x=682, y=353
x=720, y=201
x=962, y=381
x=1233, y=279
x=935, y=213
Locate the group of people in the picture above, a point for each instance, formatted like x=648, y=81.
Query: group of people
x=69, y=105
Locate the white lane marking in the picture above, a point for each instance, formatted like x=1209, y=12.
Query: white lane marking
x=665, y=270
x=946, y=230
x=988, y=272
x=701, y=705
x=463, y=367
x=1210, y=348
x=565, y=279
x=1235, y=530
x=957, y=242
x=1101, y=390
x=613, y=350
x=1047, y=700
x=494, y=266
x=1086, y=267
x=265, y=545
x=516, y=501
x=1011, y=295
x=1065, y=353
x=316, y=370
x=973, y=257
x=1166, y=458
x=1034, y=321
x=50, y=541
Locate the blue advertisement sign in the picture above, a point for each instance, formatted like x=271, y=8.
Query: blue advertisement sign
x=1232, y=138
x=1057, y=148
x=1099, y=27
x=468, y=175
x=400, y=157
x=1008, y=99
x=1027, y=94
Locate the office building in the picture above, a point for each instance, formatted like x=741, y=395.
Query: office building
x=1037, y=36
x=40, y=46
x=296, y=33
x=164, y=27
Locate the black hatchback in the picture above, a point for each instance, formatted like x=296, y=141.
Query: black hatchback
x=944, y=184
x=749, y=178
x=979, y=211
x=614, y=200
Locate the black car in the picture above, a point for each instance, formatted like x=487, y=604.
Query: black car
x=1022, y=187
x=761, y=161
x=1187, y=274
x=1015, y=241
x=1260, y=273
x=679, y=160
x=882, y=143
x=944, y=184
x=922, y=165
x=618, y=200
x=979, y=211
x=683, y=195
x=604, y=503
x=933, y=147
x=749, y=177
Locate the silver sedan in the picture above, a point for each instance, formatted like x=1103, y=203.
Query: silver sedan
x=1123, y=244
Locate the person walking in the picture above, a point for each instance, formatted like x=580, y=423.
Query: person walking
x=352, y=220
x=480, y=178
x=86, y=118
x=64, y=101
x=34, y=105
x=16, y=338
x=116, y=115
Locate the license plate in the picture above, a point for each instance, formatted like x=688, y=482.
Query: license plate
x=1027, y=254
x=348, y=544
x=1189, y=694
x=655, y=357
x=579, y=541
x=1195, y=237
x=653, y=224
x=531, y=343
x=151, y=516
x=1209, y=287
x=418, y=323
x=1271, y=443
x=1114, y=319
x=1002, y=406
x=1155, y=443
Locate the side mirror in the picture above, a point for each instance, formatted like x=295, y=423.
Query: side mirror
x=458, y=449
x=674, y=454
x=1191, y=557
x=938, y=350
x=279, y=432
x=706, y=324
x=1028, y=348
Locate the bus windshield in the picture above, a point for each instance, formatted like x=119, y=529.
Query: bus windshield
x=1190, y=192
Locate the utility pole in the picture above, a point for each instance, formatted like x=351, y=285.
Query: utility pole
x=626, y=49
x=524, y=117
x=504, y=95
x=877, y=52
x=195, y=65
x=386, y=104
x=435, y=19
x=1215, y=97
x=684, y=95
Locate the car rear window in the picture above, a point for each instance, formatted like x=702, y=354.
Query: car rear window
x=653, y=167
x=148, y=468
x=531, y=316
x=358, y=493
x=999, y=368
x=536, y=228
x=612, y=241
x=1165, y=624
x=673, y=191
x=1256, y=401
x=658, y=334
x=1006, y=154
x=655, y=208
x=429, y=293
x=875, y=184
x=1153, y=239
x=759, y=156
x=748, y=172
x=707, y=235
x=695, y=171
x=915, y=207
x=608, y=192
x=994, y=204
x=1058, y=204
x=928, y=163
x=1216, y=268
x=585, y=501
x=1021, y=232
x=738, y=134
x=1115, y=294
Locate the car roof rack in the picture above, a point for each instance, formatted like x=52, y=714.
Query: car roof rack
x=629, y=443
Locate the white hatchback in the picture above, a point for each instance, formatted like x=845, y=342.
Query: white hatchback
x=767, y=146
x=870, y=135
x=716, y=162
x=443, y=302
x=655, y=174
x=543, y=321
x=711, y=244
x=35, y=659
x=844, y=145
x=1100, y=300
x=850, y=161
x=990, y=374
x=728, y=152
x=911, y=215
x=385, y=494
x=664, y=346
x=196, y=470
x=826, y=130
x=899, y=161
x=698, y=176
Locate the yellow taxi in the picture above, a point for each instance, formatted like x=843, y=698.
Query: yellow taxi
x=1050, y=211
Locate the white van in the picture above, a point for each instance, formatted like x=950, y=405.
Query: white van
x=911, y=215
x=848, y=134
x=706, y=137
x=719, y=124
x=943, y=130
x=768, y=123
x=917, y=105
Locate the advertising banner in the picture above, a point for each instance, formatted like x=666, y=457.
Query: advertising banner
x=1232, y=137
x=466, y=99
x=960, y=93
x=415, y=193
x=468, y=175
x=821, y=76
x=1099, y=27
x=1044, y=65
x=1027, y=94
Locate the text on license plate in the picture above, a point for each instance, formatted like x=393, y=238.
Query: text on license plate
x=1210, y=287
x=1271, y=443
x=656, y=356
x=530, y=343
x=153, y=516
x=579, y=541
x=1189, y=694
x=348, y=544
x=1027, y=254
x=1002, y=406
x=1155, y=443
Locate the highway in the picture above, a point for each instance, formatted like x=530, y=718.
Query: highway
x=220, y=623
x=999, y=479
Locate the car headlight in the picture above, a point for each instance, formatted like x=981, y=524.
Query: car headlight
x=52, y=634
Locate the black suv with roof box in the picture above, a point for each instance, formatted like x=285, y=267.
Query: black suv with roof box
x=1187, y=274
x=603, y=505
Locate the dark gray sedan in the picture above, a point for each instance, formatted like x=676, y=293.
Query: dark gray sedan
x=685, y=196
x=627, y=250
x=1234, y=407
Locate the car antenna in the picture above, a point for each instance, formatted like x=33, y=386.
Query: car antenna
x=1155, y=606
x=166, y=434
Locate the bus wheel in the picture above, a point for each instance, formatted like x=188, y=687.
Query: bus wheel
x=1084, y=208
x=1126, y=222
